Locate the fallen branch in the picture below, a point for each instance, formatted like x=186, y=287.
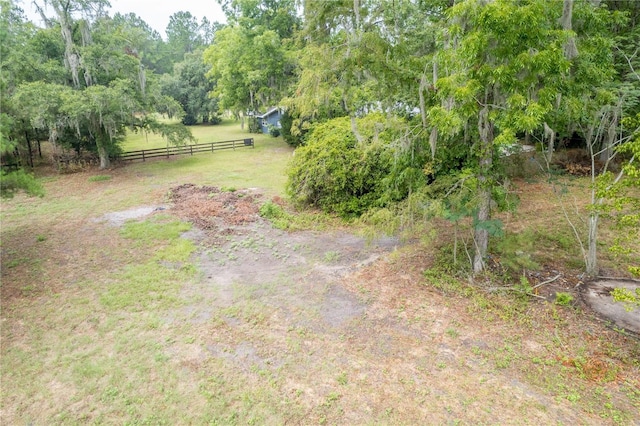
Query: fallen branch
x=546, y=282
x=535, y=295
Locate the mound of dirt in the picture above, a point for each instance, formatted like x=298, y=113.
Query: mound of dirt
x=597, y=294
x=211, y=209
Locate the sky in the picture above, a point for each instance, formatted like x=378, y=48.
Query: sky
x=156, y=13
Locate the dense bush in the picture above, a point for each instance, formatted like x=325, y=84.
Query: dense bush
x=254, y=125
x=337, y=173
x=274, y=131
x=287, y=121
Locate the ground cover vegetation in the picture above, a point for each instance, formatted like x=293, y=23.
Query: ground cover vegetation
x=497, y=143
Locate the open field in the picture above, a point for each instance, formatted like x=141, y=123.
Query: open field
x=199, y=311
x=227, y=130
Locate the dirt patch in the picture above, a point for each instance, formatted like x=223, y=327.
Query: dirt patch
x=119, y=218
x=351, y=333
x=597, y=294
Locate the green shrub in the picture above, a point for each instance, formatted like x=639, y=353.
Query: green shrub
x=271, y=210
x=254, y=125
x=563, y=299
x=338, y=174
x=287, y=122
x=517, y=251
x=276, y=214
x=19, y=180
x=274, y=131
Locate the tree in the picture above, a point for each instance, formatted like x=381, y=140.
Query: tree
x=138, y=38
x=114, y=90
x=277, y=15
x=251, y=58
x=185, y=35
x=14, y=180
x=18, y=62
x=190, y=86
x=504, y=62
x=596, y=95
x=251, y=69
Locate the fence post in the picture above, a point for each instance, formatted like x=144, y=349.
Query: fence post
x=191, y=149
x=143, y=156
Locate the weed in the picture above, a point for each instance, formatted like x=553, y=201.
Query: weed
x=452, y=332
x=271, y=210
x=15, y=262
x=563, y=299
x=40, y=238
x=331, y=398
x=342, y=378
x=573, y=396
x=631, y=300
x=332, y=256
x=523, y=288
x=276, y=214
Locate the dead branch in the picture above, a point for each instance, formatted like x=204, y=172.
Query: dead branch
x=546, y=282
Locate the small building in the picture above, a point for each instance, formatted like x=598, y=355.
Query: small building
x=269, y=119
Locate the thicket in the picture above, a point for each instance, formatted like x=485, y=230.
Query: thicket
x=341, y=174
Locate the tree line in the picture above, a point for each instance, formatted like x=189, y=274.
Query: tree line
x=391, y=103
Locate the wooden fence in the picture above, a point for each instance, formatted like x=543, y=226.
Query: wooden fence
x=185, y=149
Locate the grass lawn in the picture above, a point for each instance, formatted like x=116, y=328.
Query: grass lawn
x=133, y=323
x=204, y=133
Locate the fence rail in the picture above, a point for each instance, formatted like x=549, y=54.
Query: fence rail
x=145, y=154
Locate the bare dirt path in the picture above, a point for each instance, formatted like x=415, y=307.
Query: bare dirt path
x=344, y=328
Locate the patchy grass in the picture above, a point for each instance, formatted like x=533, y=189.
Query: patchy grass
x=99, y=178
x=160, y=227
x=102, y=324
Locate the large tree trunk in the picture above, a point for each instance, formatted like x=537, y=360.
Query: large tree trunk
x=105, y=162
x=481, y=236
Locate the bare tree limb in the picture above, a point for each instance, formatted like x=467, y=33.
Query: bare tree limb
x=549, y=281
